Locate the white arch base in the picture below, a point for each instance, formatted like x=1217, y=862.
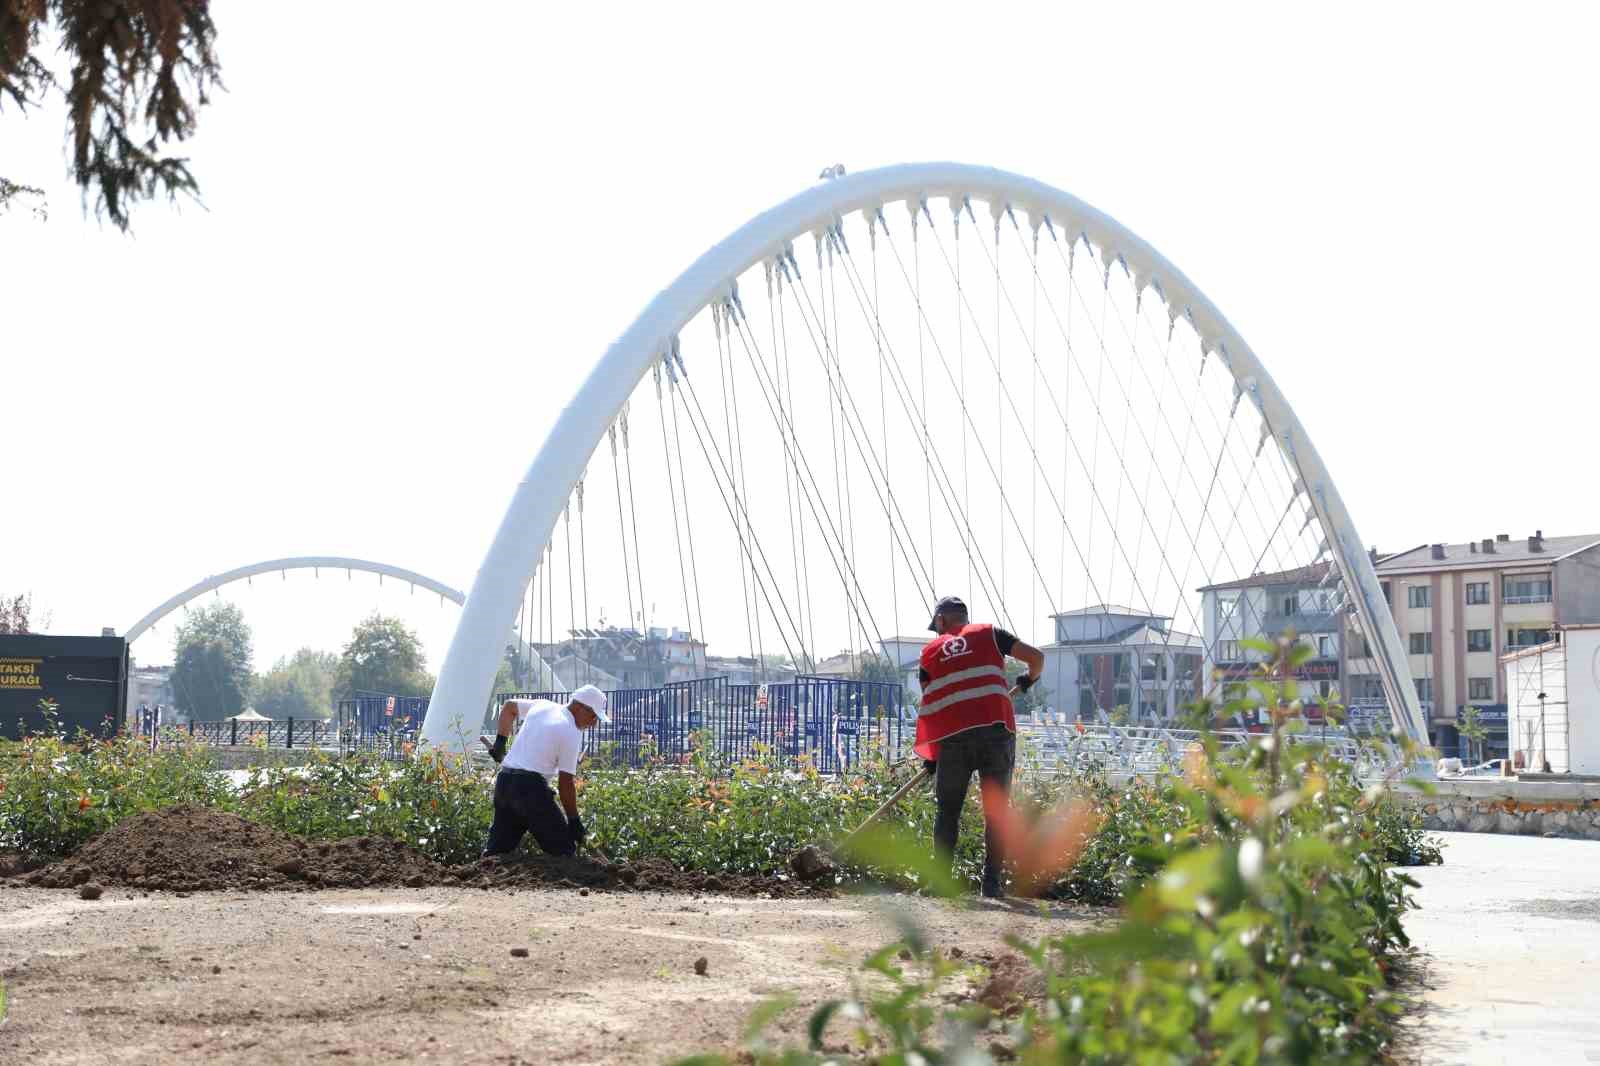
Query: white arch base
x=467, y=674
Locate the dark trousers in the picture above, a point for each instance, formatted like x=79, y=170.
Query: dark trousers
x=991, y=751
x=523, y=803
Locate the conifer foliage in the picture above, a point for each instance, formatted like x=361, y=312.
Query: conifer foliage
x=134, y=75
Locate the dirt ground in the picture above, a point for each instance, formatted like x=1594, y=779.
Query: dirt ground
x=191, y=849
x=427, y=974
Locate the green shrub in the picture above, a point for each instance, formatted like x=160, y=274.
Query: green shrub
x=439, y=804
x=54, y=795
x=1261, y=919
x=1404, y=841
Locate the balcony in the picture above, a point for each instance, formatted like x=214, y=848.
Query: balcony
x=1276, y=623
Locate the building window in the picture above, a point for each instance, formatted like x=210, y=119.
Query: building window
x=1318, y=601
x=1228, y=652
x=1526, y=638
x=1479, y=640
x=1366, y=687
x=1388, y=597
x=1526, y=590
x=1425, y=689
x=1480, y=688
x=1360, y=647
x=1324, y=689
x=1477, y=592
x=1422, y=644
x=1290, y=604
x=1086, y=703
x=1325, y=646
x=1420, y=595
x=1227, y=608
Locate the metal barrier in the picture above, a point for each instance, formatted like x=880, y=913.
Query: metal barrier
x=834, y=723
x=288, y=733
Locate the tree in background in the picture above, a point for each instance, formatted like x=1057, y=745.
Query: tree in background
x=212, y=654
x=16, y=614
x=874, y=667
x=133, y=74
x=298, y=686
x=780, y=665
x=383, y=655
x=1472, y=730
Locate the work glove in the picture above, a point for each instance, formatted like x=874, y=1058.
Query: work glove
x=498, y=750
x=931, y=766
x=1024, y=683
x=576, y=830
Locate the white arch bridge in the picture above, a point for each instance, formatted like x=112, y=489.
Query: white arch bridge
x=318, y=563
x=967, y=381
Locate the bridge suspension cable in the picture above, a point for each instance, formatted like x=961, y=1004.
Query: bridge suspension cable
x=1173, y=493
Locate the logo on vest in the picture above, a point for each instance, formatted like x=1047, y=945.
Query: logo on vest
x=953, y=648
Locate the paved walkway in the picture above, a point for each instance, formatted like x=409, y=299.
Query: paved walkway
x=1512, y=929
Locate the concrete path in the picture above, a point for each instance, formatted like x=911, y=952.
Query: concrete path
x=1511, y=926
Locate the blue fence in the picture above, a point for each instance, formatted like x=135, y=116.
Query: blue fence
x=834, y=723
x=380, y=714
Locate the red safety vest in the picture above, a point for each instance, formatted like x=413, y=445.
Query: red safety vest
x=966, y=687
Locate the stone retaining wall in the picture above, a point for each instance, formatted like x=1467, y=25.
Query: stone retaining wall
x=1528, y=808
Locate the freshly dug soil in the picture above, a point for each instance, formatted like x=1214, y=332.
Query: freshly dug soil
x=193, y=849
x=536, y=870
x=12, y=864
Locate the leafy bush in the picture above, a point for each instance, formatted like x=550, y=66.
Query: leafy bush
x=439, y=804
x=1405, y=842
x=1259, y=927
x=55, y=795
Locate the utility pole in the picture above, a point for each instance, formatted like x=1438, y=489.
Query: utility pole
x=1544, y=751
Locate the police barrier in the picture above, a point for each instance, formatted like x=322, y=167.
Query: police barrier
x=832, y=723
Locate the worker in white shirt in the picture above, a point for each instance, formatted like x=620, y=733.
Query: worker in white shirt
x=547, y=744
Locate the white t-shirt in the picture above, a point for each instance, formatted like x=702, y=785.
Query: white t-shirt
x=549, y=740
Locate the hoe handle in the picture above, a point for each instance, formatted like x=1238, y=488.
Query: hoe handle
x=888, y=805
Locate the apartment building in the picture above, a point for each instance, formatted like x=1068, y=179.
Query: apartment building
x=627, y=658
x=1110, y=657
x=1460, y=607
x=1265, y=606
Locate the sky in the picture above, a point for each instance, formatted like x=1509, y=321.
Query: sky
x=418, y=234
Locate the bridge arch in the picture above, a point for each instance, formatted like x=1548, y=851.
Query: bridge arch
x=302, y=562
x=323, y=562
x=711, y=281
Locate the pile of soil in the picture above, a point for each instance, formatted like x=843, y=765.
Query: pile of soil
x=12, y=864
x=193, y=849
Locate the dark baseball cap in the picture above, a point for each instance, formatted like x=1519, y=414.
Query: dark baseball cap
x=951, y=604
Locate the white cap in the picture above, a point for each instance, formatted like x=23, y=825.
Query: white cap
x=592, y=698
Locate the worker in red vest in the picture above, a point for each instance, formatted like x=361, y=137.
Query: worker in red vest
x=966, y=722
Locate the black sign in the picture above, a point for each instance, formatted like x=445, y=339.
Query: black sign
x=79, y=682
x=1490, y=715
